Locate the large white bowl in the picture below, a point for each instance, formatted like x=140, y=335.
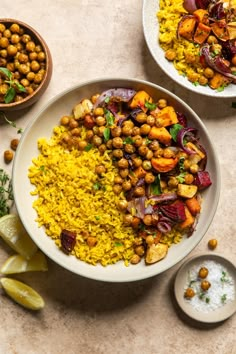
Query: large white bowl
x=42, y=126
x=151, y=32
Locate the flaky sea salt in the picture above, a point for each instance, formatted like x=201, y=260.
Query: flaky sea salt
x=221, y=291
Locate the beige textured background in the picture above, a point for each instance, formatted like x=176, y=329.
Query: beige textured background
x=93, y=39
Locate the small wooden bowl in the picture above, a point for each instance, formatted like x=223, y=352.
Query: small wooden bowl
x=32, y=98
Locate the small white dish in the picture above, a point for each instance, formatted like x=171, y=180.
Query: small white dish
x=151, y=30
x=213, y=315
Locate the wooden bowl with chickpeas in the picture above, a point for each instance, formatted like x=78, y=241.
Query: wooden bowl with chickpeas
x=25, y=65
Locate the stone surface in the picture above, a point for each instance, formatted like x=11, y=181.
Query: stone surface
x=94, y=39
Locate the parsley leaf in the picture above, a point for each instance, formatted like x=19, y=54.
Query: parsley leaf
x=109, y=118
x=88, y=147
x=107, y=134
x=150, y=106
x=128, y=140
x=174, y=131
x=156, y=186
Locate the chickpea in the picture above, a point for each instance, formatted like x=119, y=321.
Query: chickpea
x=117, y=143
x=151, y=120
x=128, y=123
x=118, y=153
x=8, y=156
x=205, y=285
x=194, y=168
x=135, y=222
x=170, y=54
x=41, y=56
x=15, y=38
x=212, y=40
x=24, y=69
x=149, y=154
x=102, y=148
x=141, y=117
x=190, y=58
x=33, y=56
x=123, y=204
x=147, y=220
x=4, y=42
x=100, y=120
x=149, y=178
x=216, y=48
x=82, y=145
x=124, y=172
x=3, y=62
x=126, y=185
x=143, y=149
x=145, y=129
x=91, y=241
x=128, y=218
x=101, y=134
x=129, y=148
x=189, y=293
x=137, y=161
x=188, y=178
x=30, y=46
x=135, y=259
x=139, y=250
x=76, y=132
x=135, y=131
x=118, y=180
x=209, y=73
x=100, y=169
x=187, y=164
x=147, y=165
x=159, y=152
x=38, y=48
x=139, y=191
x=212, y=244
x=173, y=182
x=109, y=143
x=203, y=80
x=30, y=76
x=162, y=103
x=89, y=135
x=203, y=272
x=3, y=89
x=123, y=163
x=149, y=240
x=116, y=132
x=34, y=65
x=3, y=53
x=138, y=140
x=193, y=77
x=126, y=130
x=154, y=145
x=73, y=123
x=96, y=140
x=117, y=189
x=168, y=153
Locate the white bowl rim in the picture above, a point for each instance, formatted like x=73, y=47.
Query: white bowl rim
x=150, y=270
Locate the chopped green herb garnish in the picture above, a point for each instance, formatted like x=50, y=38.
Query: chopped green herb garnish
x=88, y=147
x=174, y=131
x=150, y=106
x=223, y=298
x=156, y=186
x=180, y=177
x=97, y=217
x=107, y=99
x=118, y=244
x=221, y=88
x=147, y=141
x=107, y=134
x=128, y=140
x=97, y=186
x=109, y=118
x=195, y=83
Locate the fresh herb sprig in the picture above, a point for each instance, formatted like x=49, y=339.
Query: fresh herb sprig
x=6, y=193
x=13, y=84
x=10, y=122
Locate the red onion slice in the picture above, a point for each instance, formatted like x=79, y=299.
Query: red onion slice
x=115, y=94
x=180, y=139
x=190, y=6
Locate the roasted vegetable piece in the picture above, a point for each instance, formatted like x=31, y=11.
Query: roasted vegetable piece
x=186, y=190
x=139, y=100
x=202, y=180
x=174, y=211
x=161, y=134
x=188, y=222
x=201, y=33
x=68, y=240
x=193, y=205
x=186, y=26
x=220, y=30
x=167, y=116
x=156, y=252
x=162, y=164
x=202, y=16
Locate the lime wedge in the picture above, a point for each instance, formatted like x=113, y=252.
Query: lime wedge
x=22, y=294
x=14, y=234
x=18, y=264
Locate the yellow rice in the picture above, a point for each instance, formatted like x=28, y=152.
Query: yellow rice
x=66, y=199
x=169, y=15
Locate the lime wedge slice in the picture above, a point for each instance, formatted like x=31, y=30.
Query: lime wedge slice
x=22, y=294
x=14, y=234
x=18, y=264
